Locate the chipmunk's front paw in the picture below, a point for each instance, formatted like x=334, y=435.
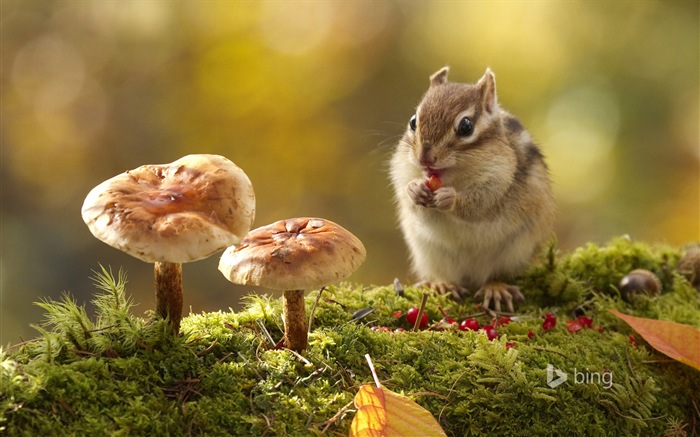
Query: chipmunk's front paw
x=419, y=193
x=497, y=292
x=445, y=198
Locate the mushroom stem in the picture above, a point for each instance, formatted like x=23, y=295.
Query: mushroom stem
x=294, y=320
x=168, y=284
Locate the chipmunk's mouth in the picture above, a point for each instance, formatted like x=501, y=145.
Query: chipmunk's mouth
x=432, y=171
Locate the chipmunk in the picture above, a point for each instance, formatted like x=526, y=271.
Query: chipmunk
x=473, y=192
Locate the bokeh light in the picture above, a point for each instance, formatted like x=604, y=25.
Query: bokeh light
x=309, y=98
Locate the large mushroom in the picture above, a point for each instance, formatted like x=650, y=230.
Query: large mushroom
x=294, y=255
x=171, y=214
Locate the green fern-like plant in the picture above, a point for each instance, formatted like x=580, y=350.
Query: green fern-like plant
x=70, y=319
x=632, y=400
x=68, y=333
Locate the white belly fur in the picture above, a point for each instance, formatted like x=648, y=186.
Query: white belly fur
x=445, y=248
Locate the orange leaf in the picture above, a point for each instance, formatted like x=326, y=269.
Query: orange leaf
x=677, y=341
x=383, y=413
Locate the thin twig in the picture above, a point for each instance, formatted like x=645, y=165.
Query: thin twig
x=475, y=315
x=65, y=407
x=264, y=330
x=33, y=340
x=199, y=337
x=250, y=366
x=455, y=382
x=269, y=425
x=208, y=349
x=144, y=345
x=313, y=310
x=490, y=312
x=697, y=413
x=374, y=373
x=337, y=416
x=420, y=312
x=307, y=362
x=506, y=313
x=629, y=362
x=222, y=359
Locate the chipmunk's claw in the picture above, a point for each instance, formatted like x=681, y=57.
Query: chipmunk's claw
x=497, y=292
x=456, y=290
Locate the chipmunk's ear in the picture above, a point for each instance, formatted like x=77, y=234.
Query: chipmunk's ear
x=487, y=88
x=439, y=77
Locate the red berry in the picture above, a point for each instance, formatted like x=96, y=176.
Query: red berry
x=573, y=326
x=491, y=332
x=529, y=334
x=500, y=321
x=585, y=321
x=510, y=344
x=397, y=314
x=433, y=182
x=399, y=330
x=469, y=324
x=412, y=316
x=633, y=341
x=550, y=321
x=579, y=323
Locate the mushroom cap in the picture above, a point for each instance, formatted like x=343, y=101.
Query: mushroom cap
x=294, y=254
x=178, y=212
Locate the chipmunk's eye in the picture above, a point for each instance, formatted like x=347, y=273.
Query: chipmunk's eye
x=465, y=127
x=412, y=123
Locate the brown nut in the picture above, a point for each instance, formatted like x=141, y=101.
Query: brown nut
x=639, y=281
x=689, y=266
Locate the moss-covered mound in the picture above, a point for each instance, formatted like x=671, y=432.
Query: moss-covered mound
x=120, y=375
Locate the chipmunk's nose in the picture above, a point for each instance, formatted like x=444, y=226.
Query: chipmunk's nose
x=426, y=157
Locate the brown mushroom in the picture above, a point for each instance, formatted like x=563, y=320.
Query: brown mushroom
x=171, y=214
x=294, y=255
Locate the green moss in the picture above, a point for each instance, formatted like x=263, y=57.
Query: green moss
x=122, y=375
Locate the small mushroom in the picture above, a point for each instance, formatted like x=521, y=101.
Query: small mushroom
x=294, y=255
x=171, y=214
x=639, y=281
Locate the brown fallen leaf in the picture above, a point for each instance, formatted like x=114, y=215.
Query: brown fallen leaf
x=675, y=340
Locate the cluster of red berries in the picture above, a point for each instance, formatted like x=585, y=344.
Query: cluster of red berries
x=471, y=324
x=446, y=323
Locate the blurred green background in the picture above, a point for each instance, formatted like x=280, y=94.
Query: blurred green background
x=309, y=99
